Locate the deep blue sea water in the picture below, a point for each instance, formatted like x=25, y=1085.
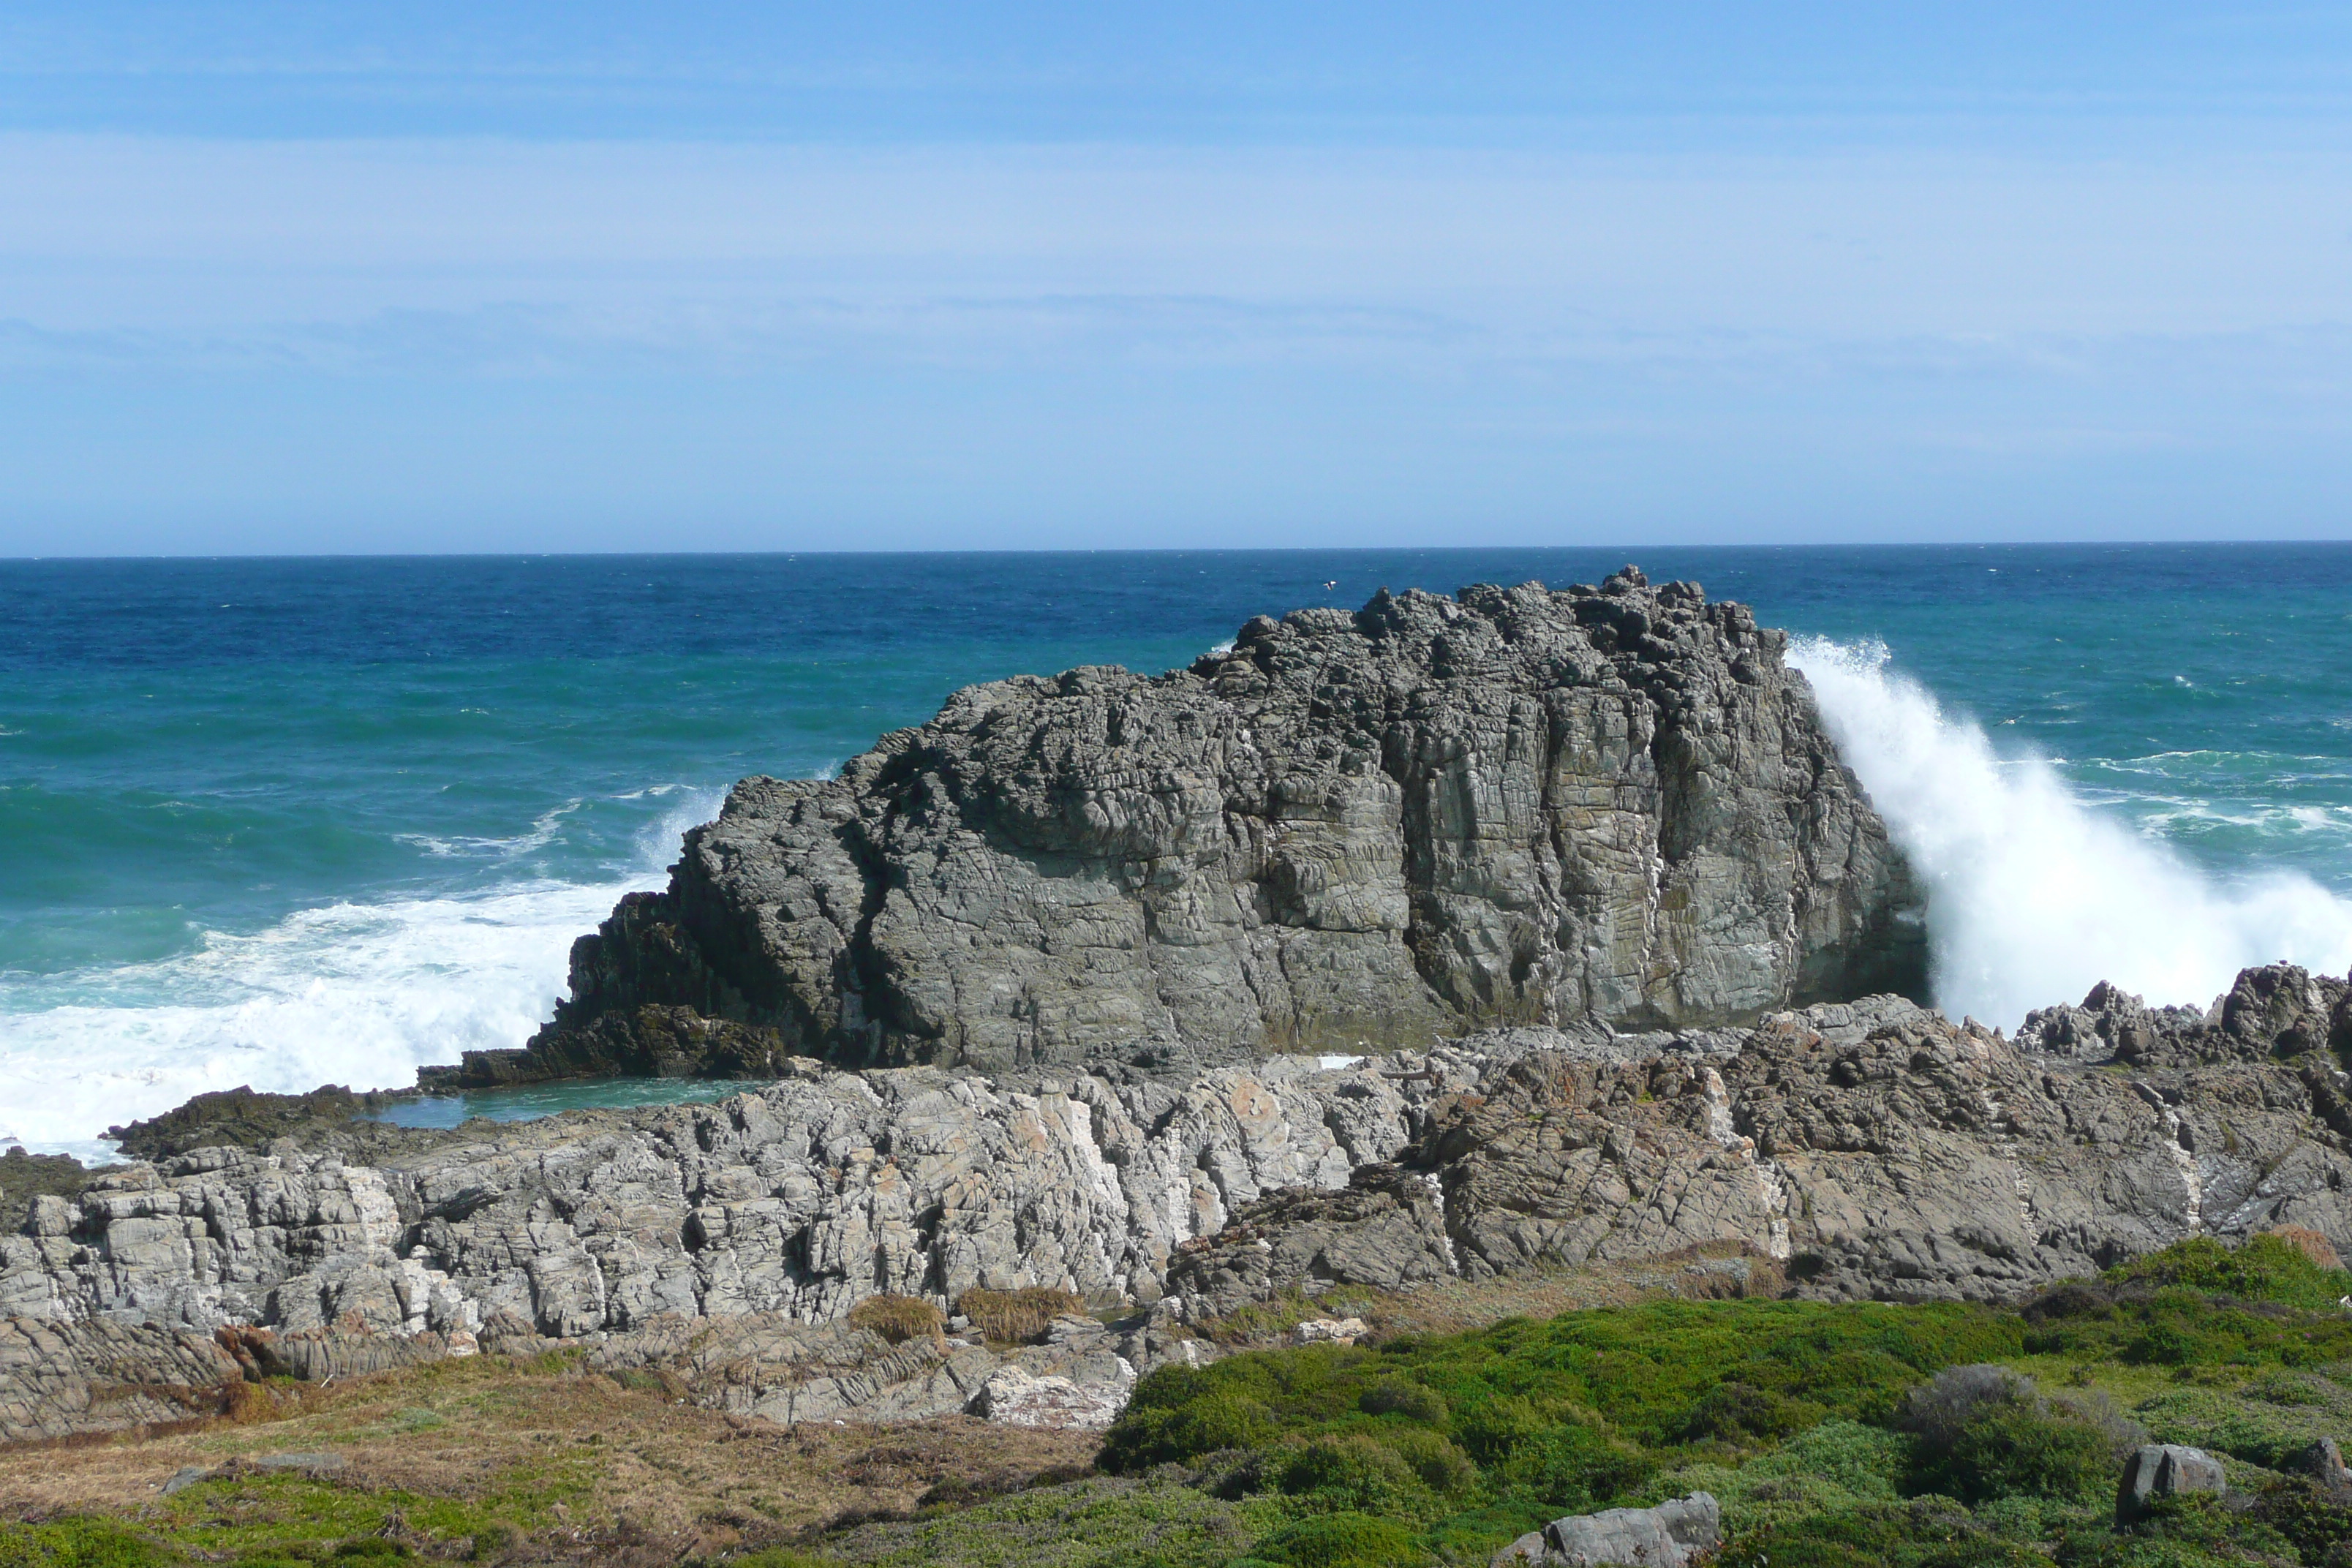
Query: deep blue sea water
x=284, y=822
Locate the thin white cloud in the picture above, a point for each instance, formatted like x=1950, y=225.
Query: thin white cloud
x=172, y=234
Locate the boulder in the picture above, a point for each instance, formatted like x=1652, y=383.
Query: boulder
x=1330, y=1331
x=2324, y=1463
x=1013, y=1398
x=1666, y=1536
x=2164, y=1469
x=1340, y=832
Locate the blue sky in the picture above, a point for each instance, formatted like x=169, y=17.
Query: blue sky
x=292, y=277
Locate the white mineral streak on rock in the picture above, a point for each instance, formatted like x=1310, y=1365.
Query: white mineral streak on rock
x=1772, y=1189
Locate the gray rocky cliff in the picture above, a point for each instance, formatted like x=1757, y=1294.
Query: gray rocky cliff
x=1873, y=1149
x=1426, y=817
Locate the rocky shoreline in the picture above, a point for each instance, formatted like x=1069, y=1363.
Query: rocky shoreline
x=1868, y=1151
x=1600, y=947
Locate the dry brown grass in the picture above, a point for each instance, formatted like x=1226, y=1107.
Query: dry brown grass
x=898, y=1319
x=632, y=1464
x=2310, y=1243
x=1459, y=1306
x=1018, y=1317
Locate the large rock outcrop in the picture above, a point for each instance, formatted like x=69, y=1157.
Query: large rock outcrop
x=1429, y=816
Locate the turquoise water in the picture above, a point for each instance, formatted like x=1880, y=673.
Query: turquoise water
x=291, y=822
x=530, y=1101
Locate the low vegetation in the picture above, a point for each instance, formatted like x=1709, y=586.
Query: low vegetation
x=1938, y=1435
x=1017, y=1317
x=898, y=1319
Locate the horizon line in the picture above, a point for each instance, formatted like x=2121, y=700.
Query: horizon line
x=385, y=555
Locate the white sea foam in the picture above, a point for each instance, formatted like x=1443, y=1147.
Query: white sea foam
x=2033, y=896
x=360, y=994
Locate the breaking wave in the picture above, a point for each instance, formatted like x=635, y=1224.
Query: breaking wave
x=2034, y=896
x=355, y=993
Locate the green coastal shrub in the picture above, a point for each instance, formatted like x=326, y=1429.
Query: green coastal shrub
x=1349, y=1472
x=2252, y=1429
x=1492, y=1430
x=2265, y=1268
x=1982, y=1433
x=2196, y=1531
x=1175, y=1419
x=1929, y=1532
x=1411, y=1400
x=1573, y=1469
x=1739, y=1412
x=80, y=1544
x=1343, y=1541
x=1440, y=1466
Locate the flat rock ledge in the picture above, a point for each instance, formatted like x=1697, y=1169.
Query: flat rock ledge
x=1871, y=1149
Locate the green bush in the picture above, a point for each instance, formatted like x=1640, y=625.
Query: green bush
x=1572, y=1469
x=1342, y=1541
x=1440, y=1466
x=1494, y=1429
x=2254, y=1430
x=1351, y=1473
x=2188, y=1532
x=1741, y=1414
x=2319, y=1531
x=1156, y=1435
x=1410, y=1400
x=1982, y=1433
x=2024, y=1451
x=1931, y=1532
x=80, y=1544
x=2265, y=1268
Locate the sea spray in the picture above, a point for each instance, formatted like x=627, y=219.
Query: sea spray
x=2034, y=897
x=355, y=993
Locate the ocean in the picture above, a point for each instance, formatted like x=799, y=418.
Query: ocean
x=292, y=822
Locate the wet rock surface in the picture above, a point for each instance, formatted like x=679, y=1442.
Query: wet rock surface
x=325, y=1119
x=1346, y=830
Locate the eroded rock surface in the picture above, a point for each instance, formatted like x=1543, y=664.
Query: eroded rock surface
x=1426, y=817
x=1875, y=1149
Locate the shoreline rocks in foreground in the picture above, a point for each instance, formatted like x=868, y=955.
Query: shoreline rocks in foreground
x=1873, y=1150
x=1613, y=805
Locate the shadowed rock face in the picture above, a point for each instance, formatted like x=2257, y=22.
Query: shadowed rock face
x=1426, y=817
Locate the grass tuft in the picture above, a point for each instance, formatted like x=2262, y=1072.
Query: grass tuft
x=898, y=1319
x=1018, y=1317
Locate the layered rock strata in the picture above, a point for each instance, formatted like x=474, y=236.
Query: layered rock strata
x=1426, y=817
x=1876, y=1149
